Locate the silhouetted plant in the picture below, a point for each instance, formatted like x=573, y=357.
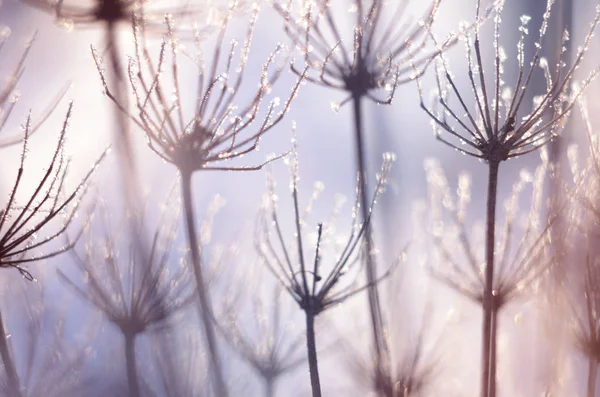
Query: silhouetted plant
x=405, y=375
x=376, y=54
x=363, y=49
x=212, y=135
x=460, y=266
x=500, y=127
x=307, y=284
x=109, y=14
x=22, y=225
x=135, y=296
x=512, y=277
x=411, y=369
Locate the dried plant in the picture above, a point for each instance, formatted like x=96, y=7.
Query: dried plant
x=500, y=126
x=109, y=14
x=519, y=267
x=407, y=374
x=363, y=50
x=308, y=285
x=135, y=296
x=39, y=359
x=266, y=345
x=105, y=12
x=376, y=54
x=214, y=133
x=384, y=48
x=177, y=361
x=9, y=95
x=461, y=266
x=219, y=130
x=22, y=224
x=411, y=369
x=582, y=263
x=585, y=301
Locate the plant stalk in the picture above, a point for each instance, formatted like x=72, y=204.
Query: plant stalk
x=206, y=312
x=311, y=346
x=592, y=373
x=269, y=386
x=9, y=365
x=488, y=366
x=493, y=350
x=123, y=139
x=130, y=360
x=371, y=265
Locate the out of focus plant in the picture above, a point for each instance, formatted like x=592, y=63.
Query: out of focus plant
x=216, y=132
x=135, y=296
x=501, y=126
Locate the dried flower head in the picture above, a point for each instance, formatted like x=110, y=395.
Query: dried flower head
x=378, y=52
x=311, y=288
x=407, y=374
x=461, y=265
x=581, y=276
x=267, y=345
x=215, y=132
x=110, y=12
x=409, y=378
x=21, y=225
x=496, y=124
x=135, y=296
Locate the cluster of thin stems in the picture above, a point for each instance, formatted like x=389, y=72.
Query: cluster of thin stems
x=26, y=235
x=383, y=48
x=137, y=297
x=492, y=122
x=581, y=261
x=218, y=131
x=29, y=233
x=266, y=344
x=313, y=287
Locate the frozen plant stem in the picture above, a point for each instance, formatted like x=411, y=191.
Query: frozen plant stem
x=494, y=346
x=500, y=127
x=132, y=373
x=311, y=345
x=313, y=289
x=592, y=372
x=125, y=153
x=123, y=137
x=371, y=266
x=488, y=338
x=9, y=365
x=206, y=312
x=269, y=387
